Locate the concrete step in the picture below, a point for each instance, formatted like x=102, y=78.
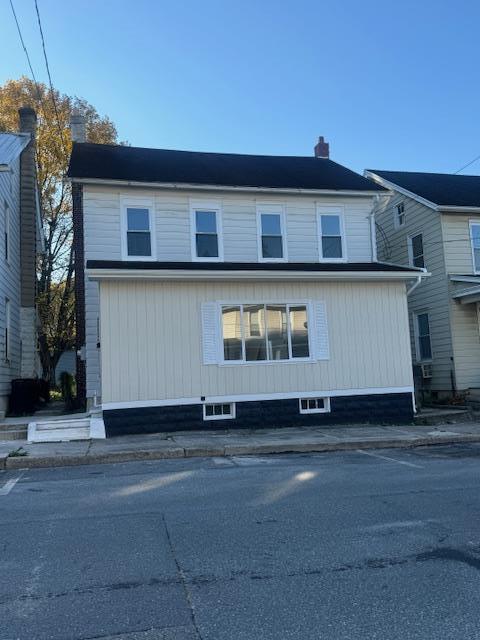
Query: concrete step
x=66, y=430
x=443, y=415
x=17, y=432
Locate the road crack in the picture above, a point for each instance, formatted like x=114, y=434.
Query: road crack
x=184, y=581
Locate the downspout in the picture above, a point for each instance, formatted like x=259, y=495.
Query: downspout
x=373, y=235
x=416, y=283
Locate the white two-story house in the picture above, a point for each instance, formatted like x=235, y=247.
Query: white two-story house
x=432, y=220
x=224, y=290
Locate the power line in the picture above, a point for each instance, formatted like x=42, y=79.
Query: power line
x=24, y=47
x=54, y=102
x=467, y=165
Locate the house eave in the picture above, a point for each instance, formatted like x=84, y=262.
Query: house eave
x=215, y=187
x=391, y=186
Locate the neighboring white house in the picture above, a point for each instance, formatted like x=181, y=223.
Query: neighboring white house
x=234, y=290
x=20, y=240
x=432, y=220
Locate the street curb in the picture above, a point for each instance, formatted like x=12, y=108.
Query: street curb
x=31, y=462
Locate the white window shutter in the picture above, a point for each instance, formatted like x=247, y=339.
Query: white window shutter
x=322, y=351
x=210, y=333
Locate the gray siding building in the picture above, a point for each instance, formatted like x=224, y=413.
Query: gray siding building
x=433, y=221
x=20, y=239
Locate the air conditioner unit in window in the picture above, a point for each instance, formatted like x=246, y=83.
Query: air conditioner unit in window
x=426, y=371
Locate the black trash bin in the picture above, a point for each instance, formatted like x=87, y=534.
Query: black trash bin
x=24, y=396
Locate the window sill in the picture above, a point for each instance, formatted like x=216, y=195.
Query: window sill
x=250, y=363
x=139, y=258
x=197, y=259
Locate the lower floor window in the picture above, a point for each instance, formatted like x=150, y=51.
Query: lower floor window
x=424, y=345
x=219, y=411
x=314, y=405
x=265, y=332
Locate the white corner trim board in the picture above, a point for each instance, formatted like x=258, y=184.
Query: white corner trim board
x=323, y=393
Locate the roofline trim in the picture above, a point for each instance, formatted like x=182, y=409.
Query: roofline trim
x=395, y=187
x=457, y=209
x=184, y=186
x=441, y=208
x=98, y=274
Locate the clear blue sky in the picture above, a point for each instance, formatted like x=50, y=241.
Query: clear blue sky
x=391, y=84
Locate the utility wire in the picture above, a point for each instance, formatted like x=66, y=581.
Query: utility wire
x=52, y=94
x=24, y=48
x=467, y=165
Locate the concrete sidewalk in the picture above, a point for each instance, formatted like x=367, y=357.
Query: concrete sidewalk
x=228, y=443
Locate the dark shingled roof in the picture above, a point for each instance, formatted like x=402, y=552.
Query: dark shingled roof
x=116, y=162
x=445, y=189
x=250, y=266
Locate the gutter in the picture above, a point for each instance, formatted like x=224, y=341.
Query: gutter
x=255, y=276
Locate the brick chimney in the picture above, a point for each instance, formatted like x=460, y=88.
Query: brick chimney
x=322, y=148
x=78, y=127
x=28, y=243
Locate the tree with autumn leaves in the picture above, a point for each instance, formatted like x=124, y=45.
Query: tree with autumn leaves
x=56, y=265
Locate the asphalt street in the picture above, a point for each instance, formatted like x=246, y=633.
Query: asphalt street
x=375, y=544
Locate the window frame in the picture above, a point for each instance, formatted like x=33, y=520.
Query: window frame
x=396, y=215
x=269, y=208
x=8, y=331
x=325, y=409
x=206, y=205
x=223, y=416
x=411, y=257
x=416, y=330
x=339, y=212
x=473, y=222
x=310, y=333
x=127, y=202
x=6, y=232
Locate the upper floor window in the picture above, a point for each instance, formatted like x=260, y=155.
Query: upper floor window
x=400, y=215
x=415, y=251
x=6, y=233
x=138, y=230
x=422, y=331
x=271, y=231
x=331, y=235
x=475, y=242
x=206, y=226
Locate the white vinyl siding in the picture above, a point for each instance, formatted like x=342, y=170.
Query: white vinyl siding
x=159, y=328
x=171, y=224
